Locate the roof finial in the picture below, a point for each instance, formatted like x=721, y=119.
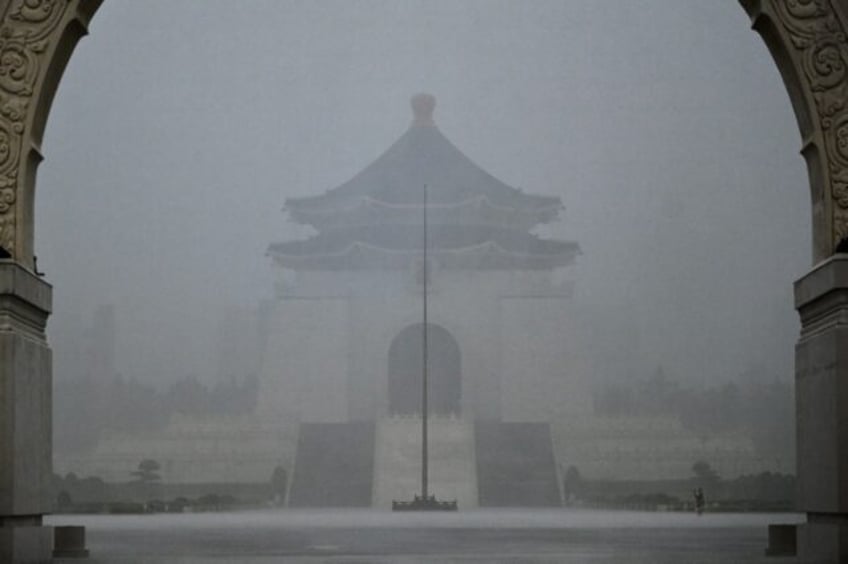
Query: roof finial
x=422, y=109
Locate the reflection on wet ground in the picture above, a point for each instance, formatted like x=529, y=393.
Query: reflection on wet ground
x=370, y=536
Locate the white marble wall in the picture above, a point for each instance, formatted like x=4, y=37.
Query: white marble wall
x=332, y=332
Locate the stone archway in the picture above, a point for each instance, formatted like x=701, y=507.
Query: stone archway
x=809, y=43
x=444, y=363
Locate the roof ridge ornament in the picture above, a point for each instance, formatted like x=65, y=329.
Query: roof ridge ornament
x=423, y=105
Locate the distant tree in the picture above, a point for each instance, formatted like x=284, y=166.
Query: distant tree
x=770, y=419
x=63, y=500
x=148, y=472
x=139, y=407
x=729, y=406
x=189, y=396
x=704, y=473
x=655, y=395
x=94, y=488
x=765, y=486
x=614, y=400
x=71, y=480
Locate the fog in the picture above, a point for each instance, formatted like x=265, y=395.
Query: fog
x=179, y=130
x=182, y=129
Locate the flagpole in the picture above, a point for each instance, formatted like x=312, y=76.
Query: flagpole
x=425, y=502
x=424, y=390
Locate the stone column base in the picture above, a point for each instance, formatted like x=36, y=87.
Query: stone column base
x=821, y=398
x=25, y=416
x=783, y=540
x=26, y=544
x=69, y=542
x=822, y=542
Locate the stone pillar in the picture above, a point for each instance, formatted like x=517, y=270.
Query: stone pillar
x=25, y=416
x=821, y=391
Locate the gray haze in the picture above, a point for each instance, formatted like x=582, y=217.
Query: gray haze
x=181, y=127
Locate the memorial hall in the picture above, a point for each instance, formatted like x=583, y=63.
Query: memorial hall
x=342, y=357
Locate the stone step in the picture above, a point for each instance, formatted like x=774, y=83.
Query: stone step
x=397, y=466
x=516, y=465
x=334, y=465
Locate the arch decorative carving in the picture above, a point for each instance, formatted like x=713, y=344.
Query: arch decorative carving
x=37, y=38
x=807, y=39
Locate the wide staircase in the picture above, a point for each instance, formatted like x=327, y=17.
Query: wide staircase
x=516, y=465
x=334, y=465
x=397, y=465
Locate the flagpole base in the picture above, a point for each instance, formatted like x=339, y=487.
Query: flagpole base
x=420, y=503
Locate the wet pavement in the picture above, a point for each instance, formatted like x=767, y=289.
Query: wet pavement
x=368, y=536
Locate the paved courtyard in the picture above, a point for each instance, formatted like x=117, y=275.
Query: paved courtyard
x=367, y=536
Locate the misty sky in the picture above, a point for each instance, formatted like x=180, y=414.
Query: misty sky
x=180, y=128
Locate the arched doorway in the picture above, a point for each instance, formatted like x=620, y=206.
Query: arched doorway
x=444, y=369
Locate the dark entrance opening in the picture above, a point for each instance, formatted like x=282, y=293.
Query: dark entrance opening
x=405, y=371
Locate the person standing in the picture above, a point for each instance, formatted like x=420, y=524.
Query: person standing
x=698, y=494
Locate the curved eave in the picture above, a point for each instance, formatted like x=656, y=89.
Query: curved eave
x=421, y=156
x=361, y=256
x=323, y=204
x=477, y=210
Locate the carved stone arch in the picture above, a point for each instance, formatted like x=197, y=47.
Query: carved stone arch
x=807, y=39
x=37, y=38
